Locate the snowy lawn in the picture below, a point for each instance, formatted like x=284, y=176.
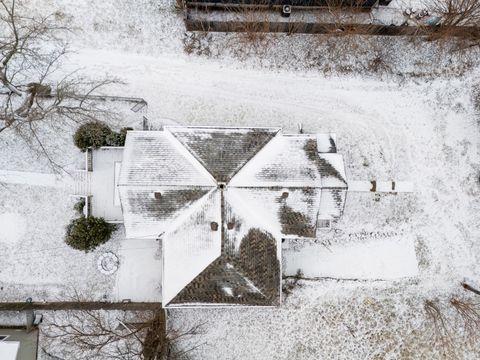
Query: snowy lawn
x=35, y=207
x=335, y=320
x=35, y=261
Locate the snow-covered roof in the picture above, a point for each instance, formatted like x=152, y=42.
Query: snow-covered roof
x=222, y=199
x=191, y=245
x=294, y=161
x=156, y=158
x=149, y=211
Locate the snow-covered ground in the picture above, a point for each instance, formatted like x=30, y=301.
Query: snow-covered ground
x=140, y=272
x=401, y=110
x=385, y=259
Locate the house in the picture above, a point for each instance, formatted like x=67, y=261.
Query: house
x=222, y=200
x=256, y=4
x=290, y=16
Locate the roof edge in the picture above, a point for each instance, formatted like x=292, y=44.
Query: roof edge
x=222, y=127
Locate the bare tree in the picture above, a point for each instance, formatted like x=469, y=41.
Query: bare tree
x=116, y=335
x=32, y=94
x=441, y=329
x=457, y=12
x=465, y=285
x=164, y=343
x=469, y=312
x=460, y=20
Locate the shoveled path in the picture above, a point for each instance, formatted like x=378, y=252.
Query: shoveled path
x=31, y=178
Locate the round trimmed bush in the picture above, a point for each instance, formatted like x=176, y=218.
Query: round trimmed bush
x=92, y=134
x=86, y=233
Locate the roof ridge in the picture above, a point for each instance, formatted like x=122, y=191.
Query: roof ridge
x=222, y=127
x=262, y=149
x=325, y=160
x=178, y=132
x=190, y=151
x=189, y=156
x=238, y=204
x=255, y=154
x=188, y=211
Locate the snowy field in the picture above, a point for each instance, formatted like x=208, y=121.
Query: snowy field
x=401, y=110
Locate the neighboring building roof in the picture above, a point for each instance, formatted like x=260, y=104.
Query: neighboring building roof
x=9, y=350
x=221, y=199
x=18, y=344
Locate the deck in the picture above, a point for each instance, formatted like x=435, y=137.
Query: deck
x=105, y=200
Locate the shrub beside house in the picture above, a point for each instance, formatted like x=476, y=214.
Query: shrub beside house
x=86, y=233
x=95, y=134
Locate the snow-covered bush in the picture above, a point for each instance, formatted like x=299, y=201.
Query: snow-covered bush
x=113, y=139
x=117, y=139
x=95, y=134
x=92, y=134
x=86, y=233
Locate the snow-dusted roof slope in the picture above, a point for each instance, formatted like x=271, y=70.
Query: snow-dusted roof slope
x=221, y=200
x=292, y=161
x=191, y=245
x=150, y=211
x=154, y=158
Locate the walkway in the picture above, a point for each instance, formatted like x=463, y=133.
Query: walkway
x=31, y=178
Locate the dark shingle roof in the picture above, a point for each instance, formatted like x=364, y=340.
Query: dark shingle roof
x=148, y=212
x=250, y=276
x=223, y=151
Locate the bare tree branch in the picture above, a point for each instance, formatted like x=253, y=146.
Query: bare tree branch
x=454, y=14
x=31, y=50
x=117, y=335
x=470, y=288
x=441, y=329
